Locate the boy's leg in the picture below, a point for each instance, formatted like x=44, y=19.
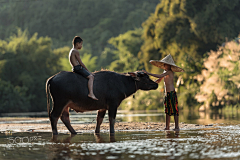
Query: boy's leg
x=176, y=118
x=176, y=112
x=90, y=87
x=167, y=122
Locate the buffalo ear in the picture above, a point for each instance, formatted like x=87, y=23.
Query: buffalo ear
x=132, y=74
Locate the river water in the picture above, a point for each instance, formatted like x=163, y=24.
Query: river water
x=186, y=116
x=219, y=142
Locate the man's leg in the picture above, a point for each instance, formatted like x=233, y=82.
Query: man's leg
x=167, y=122
x=176, y=123
x=90, y=87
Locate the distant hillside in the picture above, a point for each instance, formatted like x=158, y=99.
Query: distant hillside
x=94, y=20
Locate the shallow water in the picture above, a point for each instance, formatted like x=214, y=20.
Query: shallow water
x=220, y=142
x=192, y=117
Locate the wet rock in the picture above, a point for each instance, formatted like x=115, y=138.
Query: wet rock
x=209, y=125
x=30, y=130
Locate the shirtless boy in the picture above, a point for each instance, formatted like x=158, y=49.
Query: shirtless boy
x=171, y=102
x=79, y=67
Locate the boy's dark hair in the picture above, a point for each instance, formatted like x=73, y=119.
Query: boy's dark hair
x=76, y=39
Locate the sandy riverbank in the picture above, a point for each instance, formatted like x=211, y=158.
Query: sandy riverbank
x=120, y=126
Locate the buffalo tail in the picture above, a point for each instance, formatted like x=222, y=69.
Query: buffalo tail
x=47, y=93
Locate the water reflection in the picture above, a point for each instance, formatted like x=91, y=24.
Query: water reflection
x=100, y=139
x=60, y=149
x=65, y=147
x=67, y=139
x=55, y=139
x=187, y=116
x=172, y=134
x=221, y=142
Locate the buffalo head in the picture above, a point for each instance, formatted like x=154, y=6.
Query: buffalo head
x=143, y=81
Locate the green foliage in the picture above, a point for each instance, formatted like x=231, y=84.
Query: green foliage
x=27, y=63
x=113, y=39
x=64, y=61
x=187, y=30
x=13, y=98
x=186, y=84
x=95, y=21
x=127, y=47
x=186, y=94
x=144, y=100
x=89, y=61
x=193, y=27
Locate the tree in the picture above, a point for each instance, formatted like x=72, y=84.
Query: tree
x=220, y=79
x=127, y=46
x=187, y=30
x=26, y=63
x=13, y=98
x=95, y=21
x=193, y=27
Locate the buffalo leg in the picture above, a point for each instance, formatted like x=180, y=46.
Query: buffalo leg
x=112, y=115
x=100, y=116
x=65, y=119
x=55, y=114
x=54, y=118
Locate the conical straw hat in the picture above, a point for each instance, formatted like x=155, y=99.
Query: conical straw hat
x=167, y=60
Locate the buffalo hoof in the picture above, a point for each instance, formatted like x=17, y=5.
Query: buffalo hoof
x=55, y=134
x=112, y=138
x=97, y=131
x=54, y=138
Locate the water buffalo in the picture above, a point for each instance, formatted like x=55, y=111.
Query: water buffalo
x=69, y=90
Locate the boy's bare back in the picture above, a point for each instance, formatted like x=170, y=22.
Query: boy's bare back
x=73, y=54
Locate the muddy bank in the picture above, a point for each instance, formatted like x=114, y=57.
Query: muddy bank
x=119, y=126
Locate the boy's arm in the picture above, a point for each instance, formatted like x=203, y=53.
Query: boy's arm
x=159, y=80
x=158, y=75
x=80, y=61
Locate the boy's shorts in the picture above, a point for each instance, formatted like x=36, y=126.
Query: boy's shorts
x=171, y=103
x=80, y=70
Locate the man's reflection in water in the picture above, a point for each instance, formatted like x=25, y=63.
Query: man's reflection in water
x=100, y=139
x=172, y=134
